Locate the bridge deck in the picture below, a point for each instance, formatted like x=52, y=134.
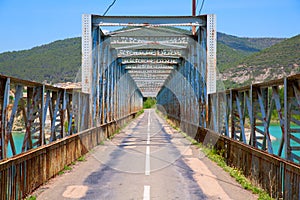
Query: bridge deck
x=147, y=160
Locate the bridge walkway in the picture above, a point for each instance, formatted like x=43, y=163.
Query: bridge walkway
x=146, y=160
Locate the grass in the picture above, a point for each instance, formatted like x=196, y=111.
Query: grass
x=215, y=156
x=140, y=112
x=31, y=198
x=81, y=159
x=115, y=133
x=66, y=168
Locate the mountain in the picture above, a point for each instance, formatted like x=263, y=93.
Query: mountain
x=232, y=49
x=277, y=61
x=227, y=56
x=247, y=45
x=60, y=61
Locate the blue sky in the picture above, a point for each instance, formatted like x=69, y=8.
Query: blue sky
x=28, y=23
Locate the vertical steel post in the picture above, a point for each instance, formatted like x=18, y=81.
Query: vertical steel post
x=193, y=14
x=43, y=115
x=9, y=138
x=4, y=117
x=211, y=52
x=94, y=82
x=287, y=117
x=87, y=48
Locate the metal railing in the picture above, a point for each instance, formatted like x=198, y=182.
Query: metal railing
x=237, y=124
x=22, y=174
x=253, y=108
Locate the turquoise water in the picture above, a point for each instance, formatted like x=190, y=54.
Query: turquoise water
x=18, y=139
x=274, y=131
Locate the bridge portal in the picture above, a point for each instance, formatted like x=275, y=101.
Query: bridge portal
x=155, y=56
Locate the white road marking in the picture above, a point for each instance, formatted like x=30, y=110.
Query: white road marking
x=147, y=168
x=147, y=164
x=146, y=192
x=149, y=121
x=148, y=129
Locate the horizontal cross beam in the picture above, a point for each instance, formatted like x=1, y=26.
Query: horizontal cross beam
x=98, y=20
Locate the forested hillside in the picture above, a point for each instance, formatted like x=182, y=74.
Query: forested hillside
x=60, y=61
x=247, y=45
x=277, y=61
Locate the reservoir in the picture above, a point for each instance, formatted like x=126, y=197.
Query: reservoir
x=274, y=131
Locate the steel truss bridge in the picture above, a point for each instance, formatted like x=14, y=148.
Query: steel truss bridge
x=148, y=57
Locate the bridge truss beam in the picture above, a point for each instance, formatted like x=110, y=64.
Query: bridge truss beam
x=46, y=113
x=255, y=106
x=148, y=21
x=188, y=86
x=147, y=47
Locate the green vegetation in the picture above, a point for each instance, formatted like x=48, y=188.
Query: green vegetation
x=31, y=198
x=66, y=168
x=284, y=54
x=277, y=61
x=247, y=45
x=140, y=112
x=81, y=159
x=58, y=61
x=235, y=173
x=115, y=133
x=149, y=103
x=227, y=56
x=216, y=157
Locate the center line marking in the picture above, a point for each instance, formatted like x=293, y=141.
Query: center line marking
x=148, y=129
x=147, y=169
x=146, y=192
x=147, y=164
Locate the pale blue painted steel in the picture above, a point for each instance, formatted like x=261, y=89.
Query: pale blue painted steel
x=18, y=96
x=63, y=113
x=255, y=105
x=4, y=117
x=98, y=20
x=240, y=104
x=45, y=107
x=53, y=136
x=262, y=97
x=94, y=81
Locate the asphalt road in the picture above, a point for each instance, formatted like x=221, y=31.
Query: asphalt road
x=146, y=160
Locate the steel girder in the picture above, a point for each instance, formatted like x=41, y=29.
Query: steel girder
x=145, y=47
x=169, y=61
x=146, y=67
x=109, y=84
x=292, y=117
x=148, y=21
x=152, y=57
x=184, y=95
x=245, y=114
x=45, y=113
x=149, y=52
